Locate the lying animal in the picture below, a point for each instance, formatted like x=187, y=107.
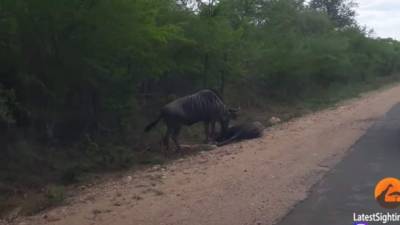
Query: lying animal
x=242, y=131
x=203, y=106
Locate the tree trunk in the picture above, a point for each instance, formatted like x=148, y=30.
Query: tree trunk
x=205, y=71
x=223, y=75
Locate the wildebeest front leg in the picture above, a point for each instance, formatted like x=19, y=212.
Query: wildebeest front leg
x=207, y=131
x=212, y=131
x=175, y=134
x=166, y=138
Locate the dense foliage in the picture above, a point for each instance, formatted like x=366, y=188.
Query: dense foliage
x=80, y=78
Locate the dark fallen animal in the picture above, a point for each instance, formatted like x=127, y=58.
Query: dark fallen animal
x=242, y=131
x=203, y=106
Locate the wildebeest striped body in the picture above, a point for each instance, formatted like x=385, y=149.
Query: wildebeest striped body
x=203, y=106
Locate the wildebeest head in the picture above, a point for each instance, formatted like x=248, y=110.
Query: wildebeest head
x=230, y=114
x=233, y=113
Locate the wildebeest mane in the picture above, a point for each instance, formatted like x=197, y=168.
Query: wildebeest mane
x=212, y=90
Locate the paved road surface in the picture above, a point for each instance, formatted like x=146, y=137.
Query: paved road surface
x=350, y=186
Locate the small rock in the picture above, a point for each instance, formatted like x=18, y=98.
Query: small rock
x=14, y=214
x=274, y=120
x=51, y=217
x=156, y=167
x=207, y=147
x=89, y=198
x=203, y=160
x=64, y=211
x=82, y=187
x=117, y=204
x=137, y=197
x=96, y=211
x=128, y=179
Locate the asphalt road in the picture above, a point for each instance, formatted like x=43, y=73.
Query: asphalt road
x=349, y=187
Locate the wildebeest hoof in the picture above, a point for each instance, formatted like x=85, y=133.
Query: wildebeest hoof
x=212, y=143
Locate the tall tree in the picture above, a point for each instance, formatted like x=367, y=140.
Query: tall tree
x=341, y=12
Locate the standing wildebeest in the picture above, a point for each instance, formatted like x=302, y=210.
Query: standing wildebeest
x=203, y=106
x=240, y=132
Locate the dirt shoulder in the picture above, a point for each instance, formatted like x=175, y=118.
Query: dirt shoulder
x=252, y=182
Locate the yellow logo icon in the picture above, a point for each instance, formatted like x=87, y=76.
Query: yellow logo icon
x=387, y=193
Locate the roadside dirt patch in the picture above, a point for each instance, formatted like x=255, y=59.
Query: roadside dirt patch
x=252, y=182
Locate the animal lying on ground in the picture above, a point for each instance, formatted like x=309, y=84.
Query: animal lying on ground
x=242, y=131
x=203, y=106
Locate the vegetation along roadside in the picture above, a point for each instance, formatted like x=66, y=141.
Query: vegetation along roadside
x=79, y=80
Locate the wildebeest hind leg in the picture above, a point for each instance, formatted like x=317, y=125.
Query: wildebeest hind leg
x=207, y=131
x=166, y=138
x=212, y=131
x=175, y=134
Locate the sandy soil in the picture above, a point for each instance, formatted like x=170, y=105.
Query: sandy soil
x=252, y=182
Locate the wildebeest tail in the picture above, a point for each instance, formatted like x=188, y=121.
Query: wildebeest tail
x=152, y=124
